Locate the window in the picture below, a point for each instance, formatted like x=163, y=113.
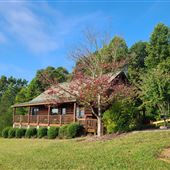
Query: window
x=80, y=112
x=55, y=111
x=63, y=111
x=35, y=111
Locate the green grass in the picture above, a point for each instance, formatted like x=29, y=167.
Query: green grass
x=133, y=151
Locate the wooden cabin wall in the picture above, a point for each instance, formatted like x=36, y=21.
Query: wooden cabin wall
x=69, y=107
x=43, y=110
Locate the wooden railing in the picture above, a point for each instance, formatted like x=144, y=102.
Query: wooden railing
x=54, y=119
x=43, y=119
x=89, y=124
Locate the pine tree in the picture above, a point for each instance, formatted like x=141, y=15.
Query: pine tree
x=159, y=46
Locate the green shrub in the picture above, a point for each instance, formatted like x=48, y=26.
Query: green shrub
x=11, y=132
x=20, y=132
x=31, y=132
x=63, y=131
x=52, y=132
x=121, y=117
x=5, y=132
x=42, y=132
x=74, y=130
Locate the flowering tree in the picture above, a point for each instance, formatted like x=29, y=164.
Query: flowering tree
x=95, y=83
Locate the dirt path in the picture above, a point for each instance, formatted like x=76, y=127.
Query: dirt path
x=165, y=155
x=102, y=138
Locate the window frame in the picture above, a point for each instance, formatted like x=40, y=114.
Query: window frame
x=80, y=112
x=55, y=113
x=63, y=111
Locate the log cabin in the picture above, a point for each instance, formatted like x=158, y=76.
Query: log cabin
x=44, y=111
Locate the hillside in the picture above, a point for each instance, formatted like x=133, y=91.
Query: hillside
x=137, y=150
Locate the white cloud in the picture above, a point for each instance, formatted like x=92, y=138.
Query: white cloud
x=38, y=26
x=27, y=27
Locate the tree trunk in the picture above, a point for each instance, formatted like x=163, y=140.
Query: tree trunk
x=99, y=126
x=99, y=118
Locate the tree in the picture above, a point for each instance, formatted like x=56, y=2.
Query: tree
x=136, y=66
x=34, y=89
x=92, y=88
x=121, y=116
x=159, y=46
x=59, y=74
x=22, y=97
x=117, y=49
x=11, y=81
x=38, y=85
x=155, y=92
x=90, y=85
x=3, y=84
x=9, y=88
x=154, y=85
x=7, y=100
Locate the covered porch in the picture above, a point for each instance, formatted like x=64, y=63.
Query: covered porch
x=47, y=114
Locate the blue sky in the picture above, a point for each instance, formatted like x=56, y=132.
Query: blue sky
x=34, y=35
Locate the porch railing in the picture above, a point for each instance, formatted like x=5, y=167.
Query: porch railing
x=44, y=120
x=89, y=124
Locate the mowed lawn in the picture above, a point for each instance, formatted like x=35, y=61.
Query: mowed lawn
x=138, y=150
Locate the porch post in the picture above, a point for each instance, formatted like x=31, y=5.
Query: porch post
x=74, y=113
x=49, y=107
x=14, y=112
x=37, y=120
x=29, y=111
x=60, y=119
x=20, y=120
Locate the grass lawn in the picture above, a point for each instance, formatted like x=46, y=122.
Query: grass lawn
x=133, y=151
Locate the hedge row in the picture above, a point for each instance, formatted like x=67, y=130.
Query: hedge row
x=67, y=131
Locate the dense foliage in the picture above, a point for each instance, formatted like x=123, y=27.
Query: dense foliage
x=154, y=87
x=121, y=117
x=158, y=47
x=42, y=132
x=5, y=132
x=74, y=130
x=63, y=132
x=53, y=132
x=136, y=66
x=68, y=131
x=11, y=132
x=9, y=87
x=20, y=132
x=149, y=73
x=31, y=132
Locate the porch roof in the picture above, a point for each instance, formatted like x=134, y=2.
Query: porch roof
x=26, y=104
x=53, y=95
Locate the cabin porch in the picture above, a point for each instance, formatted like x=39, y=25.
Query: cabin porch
x=48, y=115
